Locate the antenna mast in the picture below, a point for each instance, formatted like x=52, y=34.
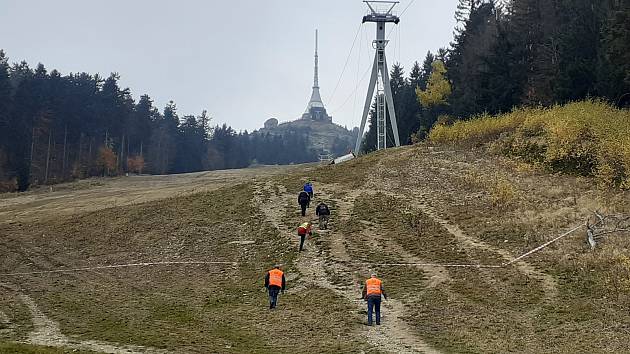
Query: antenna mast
x=380, y=13
x=316, y=81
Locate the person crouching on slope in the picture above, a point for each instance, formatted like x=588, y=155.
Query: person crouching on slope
x=303, y=230
x=323, y=212
x=274, y=282
x=303, y=200
x=372, y=292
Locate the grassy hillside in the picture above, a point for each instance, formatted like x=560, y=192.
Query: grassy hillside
x=589, y=138
x=417, y=205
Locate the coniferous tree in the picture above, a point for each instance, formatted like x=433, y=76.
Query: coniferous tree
x=6, y=99
x=613, y=68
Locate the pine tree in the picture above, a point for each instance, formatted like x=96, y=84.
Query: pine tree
x=534, y=31
x=6, y=100
x=613, y=68
x=468, y=60
x=579, y=33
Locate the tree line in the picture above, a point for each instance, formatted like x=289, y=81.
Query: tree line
x=505, y=54
x=513, y=53
x=56, y=128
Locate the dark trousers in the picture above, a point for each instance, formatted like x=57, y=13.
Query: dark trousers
x=374, y=303
x=273, y=296
x=303, y=206
x=302, y=238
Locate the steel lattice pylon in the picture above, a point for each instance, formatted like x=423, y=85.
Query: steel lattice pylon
x=380, y=13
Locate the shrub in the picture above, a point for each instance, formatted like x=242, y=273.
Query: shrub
x=136, y=164
x=9, y=185
x=107, y=160
x=502, y=192
x=589, y=138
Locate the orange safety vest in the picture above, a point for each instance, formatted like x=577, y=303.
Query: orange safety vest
x=373, y=286
x=275, y=277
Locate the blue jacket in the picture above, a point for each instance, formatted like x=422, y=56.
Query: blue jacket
x=308, y=188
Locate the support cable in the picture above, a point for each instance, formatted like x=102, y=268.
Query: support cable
x=402, y=13
x=361, y=41
x=353, y=91
x=332, y=96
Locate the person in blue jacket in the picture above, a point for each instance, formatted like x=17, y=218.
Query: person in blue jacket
x=308, y=188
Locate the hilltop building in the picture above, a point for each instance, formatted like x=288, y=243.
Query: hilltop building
x=315, y=109
x=315, y=124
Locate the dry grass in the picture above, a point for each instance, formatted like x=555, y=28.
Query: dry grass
x=195, y=309
x=507, y=207
x=208, y=309
x=586, y=138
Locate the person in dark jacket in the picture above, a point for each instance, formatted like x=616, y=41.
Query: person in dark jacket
x=323, y=212
x=275, y=282
x=372, y=292
x=303, y=200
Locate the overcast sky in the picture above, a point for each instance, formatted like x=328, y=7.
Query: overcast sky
x=243, y=60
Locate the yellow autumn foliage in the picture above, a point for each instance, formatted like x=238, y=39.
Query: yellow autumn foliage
x=438, y=87
x=588, y=138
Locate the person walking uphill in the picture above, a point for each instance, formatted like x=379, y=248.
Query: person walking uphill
x=274, y=282
x=323, y=212
x=303, y=230
x=308, y=188
x=303, y=200
x=372, y=292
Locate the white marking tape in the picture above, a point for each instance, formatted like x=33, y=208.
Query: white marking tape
x=478, y=265
x=71, y=270
x=432, y=265
x=545, y=244
x=234, y=263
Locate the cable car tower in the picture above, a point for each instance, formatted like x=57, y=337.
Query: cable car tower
x=380, y=13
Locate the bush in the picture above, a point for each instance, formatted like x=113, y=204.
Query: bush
x=107, y=160
x=9, y=186
x=136, y=164
x=589, y=138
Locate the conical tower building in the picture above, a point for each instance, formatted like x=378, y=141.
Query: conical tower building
x=315, y=109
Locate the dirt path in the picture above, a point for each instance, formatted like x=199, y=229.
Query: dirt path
x=394, y=335
x=6, y=327
x=436, y=274
x=423, y=200
x=46, y=332
x=548, y=282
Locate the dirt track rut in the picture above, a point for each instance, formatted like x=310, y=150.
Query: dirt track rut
x=394, y=335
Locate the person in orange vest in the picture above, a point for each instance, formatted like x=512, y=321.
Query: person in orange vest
x=303, y=230
x=372, y=292
x=275, y=282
